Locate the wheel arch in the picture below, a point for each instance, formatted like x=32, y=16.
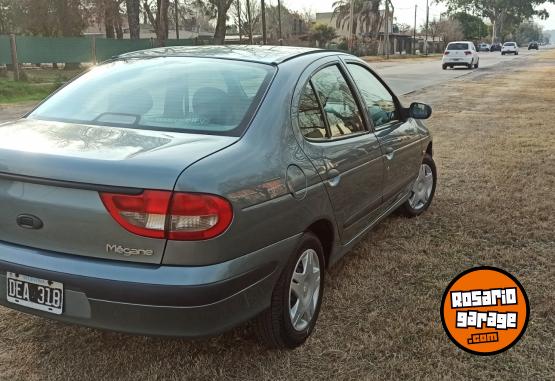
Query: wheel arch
x=430, y=149
x=324, y=230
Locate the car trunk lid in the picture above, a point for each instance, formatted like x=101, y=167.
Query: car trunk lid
x=51, y=174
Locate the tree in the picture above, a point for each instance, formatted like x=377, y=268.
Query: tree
x=222, y=7
x=52, y=18
x=322, y=34
x=433, y=28
x=11, y=16
x=450, y=30
x=473, y=27
x=255, y=16
x=528, y=32
x=160, y=21
x=133, y=11
x=109, y=11
x=366, y=16
x=402, y=28
x=500, y=11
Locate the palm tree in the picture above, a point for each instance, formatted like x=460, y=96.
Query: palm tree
x=366, y=15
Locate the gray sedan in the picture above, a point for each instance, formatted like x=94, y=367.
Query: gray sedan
x=183, y=191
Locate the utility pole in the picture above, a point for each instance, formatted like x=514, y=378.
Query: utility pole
x=263, y=10
x=177, y=19
x=239, y=16
x=388, y=34
x=427, y=23
x=15, y=62
x=386, y=42
x=250, y=21
x=414, y=31
x=279, y=20
x=351, y=27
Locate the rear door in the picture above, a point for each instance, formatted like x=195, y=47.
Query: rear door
x=400, y=139
x=346, y=154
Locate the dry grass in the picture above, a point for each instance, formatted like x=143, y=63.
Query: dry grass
x=495, y=148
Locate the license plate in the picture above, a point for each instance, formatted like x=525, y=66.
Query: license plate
x=456, y=59
x=39, y=294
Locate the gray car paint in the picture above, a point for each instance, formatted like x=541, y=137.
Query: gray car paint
x=277, y=181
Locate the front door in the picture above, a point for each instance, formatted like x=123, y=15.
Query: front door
x=401, y=140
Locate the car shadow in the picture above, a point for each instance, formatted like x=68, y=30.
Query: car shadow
x=41, y=348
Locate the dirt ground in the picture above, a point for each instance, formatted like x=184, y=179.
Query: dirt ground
x=495, y=149
x=15, y=111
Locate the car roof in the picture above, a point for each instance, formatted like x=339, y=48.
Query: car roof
x=253, y=53
x=461, y=42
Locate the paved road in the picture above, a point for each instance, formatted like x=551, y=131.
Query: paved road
x=406, y=77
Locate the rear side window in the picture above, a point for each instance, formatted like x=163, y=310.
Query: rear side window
x=337, y=100
x=458, y=46
x=196, y=95
x=311, y=120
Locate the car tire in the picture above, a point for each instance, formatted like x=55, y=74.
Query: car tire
x=502, y=54
x=477, y=65
x=275, y=327
x=470, y=66
x=412, y=209
x=444, y=67
x=516, y=53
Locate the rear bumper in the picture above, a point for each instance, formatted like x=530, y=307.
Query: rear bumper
x=152, y=300
x=460, y=61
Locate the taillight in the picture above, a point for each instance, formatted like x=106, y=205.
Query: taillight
x=176, y=216
x=467, y=53
x=446, y=53
x=198, y=216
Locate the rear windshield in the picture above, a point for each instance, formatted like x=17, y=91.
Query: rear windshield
x=197, y=95
x=457, y=46
x=509, y=44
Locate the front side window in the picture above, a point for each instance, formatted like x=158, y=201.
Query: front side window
x=337, y=100
x=378, y=100
x=195, y=95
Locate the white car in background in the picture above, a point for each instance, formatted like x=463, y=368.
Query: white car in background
x=461, y=53
x=510, y=48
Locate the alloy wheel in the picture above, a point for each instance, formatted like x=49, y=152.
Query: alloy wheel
x=304, y=290
x=422, y=188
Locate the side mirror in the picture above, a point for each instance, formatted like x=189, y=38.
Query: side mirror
x=420, y=111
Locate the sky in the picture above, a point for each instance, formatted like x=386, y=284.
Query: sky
x=404, y=10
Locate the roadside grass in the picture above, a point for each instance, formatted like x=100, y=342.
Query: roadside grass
x=14, y=92
x=495, y=149
x=35, y=84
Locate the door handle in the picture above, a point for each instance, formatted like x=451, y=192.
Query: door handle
x=389, y=153
x=334, y=177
